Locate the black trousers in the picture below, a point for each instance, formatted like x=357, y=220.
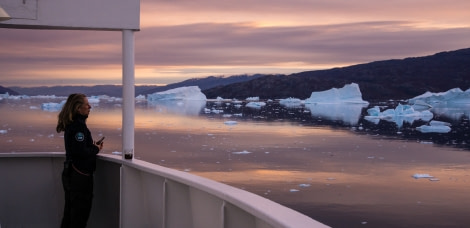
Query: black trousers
x=78, y=190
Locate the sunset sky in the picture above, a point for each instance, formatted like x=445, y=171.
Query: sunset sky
x=184, y=39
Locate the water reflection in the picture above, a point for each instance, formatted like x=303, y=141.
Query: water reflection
x=349, y=114
x=452, y=111
x=324, y=161
x=180, y=107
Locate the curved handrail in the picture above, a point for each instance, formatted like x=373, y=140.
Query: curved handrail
x=270, y=213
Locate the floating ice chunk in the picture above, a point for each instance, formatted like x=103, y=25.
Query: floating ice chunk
x=52, y=106
x=294, y=190
x=433, y=129
x=348, y=94
x=255, y=104
x=401, y=113
x=230, y=122
x=304, y=185
x=439, y=123
x=242, y=152
x=290, y=100
x=235, y=101
x=93, y=100
x=181, y=93
x=3, y=131
x=421, y=175
x=117, y=152
x=140, y=98
x=252, y=98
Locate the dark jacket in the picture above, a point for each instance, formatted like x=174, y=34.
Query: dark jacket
x=79, y=147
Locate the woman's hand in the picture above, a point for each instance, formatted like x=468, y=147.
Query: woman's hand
x=100, y=146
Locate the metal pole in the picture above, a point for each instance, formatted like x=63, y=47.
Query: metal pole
x=128, y=93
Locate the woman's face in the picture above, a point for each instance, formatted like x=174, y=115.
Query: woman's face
x=84, y=109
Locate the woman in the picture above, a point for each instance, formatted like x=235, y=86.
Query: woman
x=80, y=163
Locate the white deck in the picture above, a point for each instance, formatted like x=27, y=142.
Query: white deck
x=133, y=193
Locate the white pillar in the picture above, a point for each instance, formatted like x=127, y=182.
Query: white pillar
x=128, y=92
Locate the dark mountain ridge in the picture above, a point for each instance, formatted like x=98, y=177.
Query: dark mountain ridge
x=380, y=80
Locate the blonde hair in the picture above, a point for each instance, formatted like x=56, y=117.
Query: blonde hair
x=69, y=110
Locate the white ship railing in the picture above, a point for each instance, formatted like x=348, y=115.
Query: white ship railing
x=133, y=193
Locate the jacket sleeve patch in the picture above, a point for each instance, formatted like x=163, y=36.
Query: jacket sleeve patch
x=79, y=136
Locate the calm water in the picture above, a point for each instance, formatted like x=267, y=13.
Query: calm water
x=324, y=161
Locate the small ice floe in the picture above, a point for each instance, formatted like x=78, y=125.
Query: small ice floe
x=330, y=178
x=435, y=126
x=294, y=190
x=3, y=131
x=116, y=153
x=93, y=100
x=252, y=98
x=255, y=105
x=52, y=107
x=434, y=179
x=421, y=175
x=230, y=122
x=304, y=185
x=242, y=152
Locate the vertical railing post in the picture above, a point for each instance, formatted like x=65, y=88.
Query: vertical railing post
x=128, y=92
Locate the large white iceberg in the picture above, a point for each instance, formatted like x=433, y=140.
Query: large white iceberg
x=454, y=96
x=453, y=103
x=348, y=94
x=181, y=93
x=183, y=100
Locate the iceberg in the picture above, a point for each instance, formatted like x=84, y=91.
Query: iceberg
x=256, y=105
x=421, y=175
x=93, y=100
x=399, y=115
x=435, y=127
x=348, y=94
x=52, y=107
x=183, y=100
x=291, y=102
x=252, y=98
x=453, y=103
x=192, y=93
x=452, y=96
